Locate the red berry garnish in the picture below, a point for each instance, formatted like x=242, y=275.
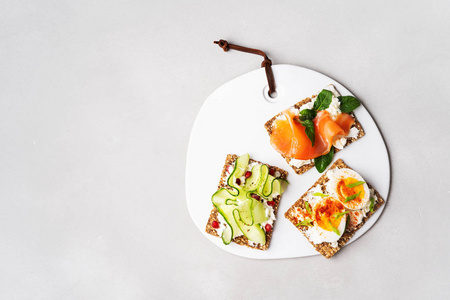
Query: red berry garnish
x=248, y=174
x=272, y=171
x=268, y=228
x=257, y=197
x=216, y=225
x=238, y=181
x=271, y=203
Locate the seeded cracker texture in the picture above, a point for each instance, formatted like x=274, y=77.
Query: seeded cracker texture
x=325, y=248
x=306, y=167
x=242, y=240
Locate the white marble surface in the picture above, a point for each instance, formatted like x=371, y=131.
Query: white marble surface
x=97, y=99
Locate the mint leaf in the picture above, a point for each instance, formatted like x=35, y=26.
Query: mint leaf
x=352, y=197
x=323, y=100
x=306, y=222
x=339, y=215
x=323, y=161
x=334, y=228
x=320, y=195
x=307, y=114
x=355, y=184
x=348, y=103
x=372, y=204
x=309, y=130
x=308, y=208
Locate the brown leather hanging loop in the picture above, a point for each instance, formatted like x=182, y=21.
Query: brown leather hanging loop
x=266, y=64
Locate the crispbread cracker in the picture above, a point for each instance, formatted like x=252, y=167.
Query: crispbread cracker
x=325, y=248
x=242, y=240
x=306, y=167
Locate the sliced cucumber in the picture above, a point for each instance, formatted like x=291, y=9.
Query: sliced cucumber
x=268, y=186
x=221, y=196
x=219, y=200
x=231, y=202
x=283, y=184
x=254, y=233
x=240, y=166
x=227, y=235
x=227, y=213
x=245, y=211
x=274, y=186
x=258, y=212
x=252, y=183
x=242, y=213
x=264, y=178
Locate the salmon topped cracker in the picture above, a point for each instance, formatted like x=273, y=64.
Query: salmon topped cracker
x=310, y=132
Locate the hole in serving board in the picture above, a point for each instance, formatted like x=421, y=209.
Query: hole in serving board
x=273, y=98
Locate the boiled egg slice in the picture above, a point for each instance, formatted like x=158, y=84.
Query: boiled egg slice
x=349, y=188
x=330, y=220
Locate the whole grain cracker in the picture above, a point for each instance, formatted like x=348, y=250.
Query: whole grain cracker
x=300, y=170
x=242, y=240
x=325, y=248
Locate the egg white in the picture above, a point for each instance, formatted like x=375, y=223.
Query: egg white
x=336, y=175
x=319, y=235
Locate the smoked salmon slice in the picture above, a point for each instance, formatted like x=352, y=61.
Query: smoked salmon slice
x=289, y=138
x=345, y=121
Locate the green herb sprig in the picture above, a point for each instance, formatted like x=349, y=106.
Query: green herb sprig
x=305, y=119
x=337, y=216
x=355, y=184
x=372, y=204
x=334, y=228
x=306, y=116
x=322, y=102
x=352, y=197
x=308, y=208
x=323, y=161
x=348, y=103
x=320, y=195
x=306, y=222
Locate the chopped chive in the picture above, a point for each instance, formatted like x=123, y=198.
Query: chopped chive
x=320, y=195
x=355, y=184
x=352, y=197
x=308, y=208
x=339, y=215
x=306, y=222
x=334, y=228
x=372, y=204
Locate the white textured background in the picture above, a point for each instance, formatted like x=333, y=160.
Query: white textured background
x=97, y=99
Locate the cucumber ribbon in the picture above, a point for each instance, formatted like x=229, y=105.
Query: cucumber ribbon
x=236, y=204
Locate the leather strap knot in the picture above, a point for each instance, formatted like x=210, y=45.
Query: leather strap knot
x=222, y=44
x=266, y=64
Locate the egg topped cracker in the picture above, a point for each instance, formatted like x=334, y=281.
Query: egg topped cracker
x=334, y=208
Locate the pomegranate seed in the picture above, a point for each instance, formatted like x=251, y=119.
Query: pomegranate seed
x=272, y=172
x=257, y=197
x=215, y=224
x=268, y=228
x=238, y=181
x=248, y=174
x=271, y=203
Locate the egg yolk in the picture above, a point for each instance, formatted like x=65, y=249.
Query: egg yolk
x=323, y=213
x=343, y=191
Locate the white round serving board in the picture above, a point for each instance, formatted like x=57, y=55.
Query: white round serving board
x=231, y=121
